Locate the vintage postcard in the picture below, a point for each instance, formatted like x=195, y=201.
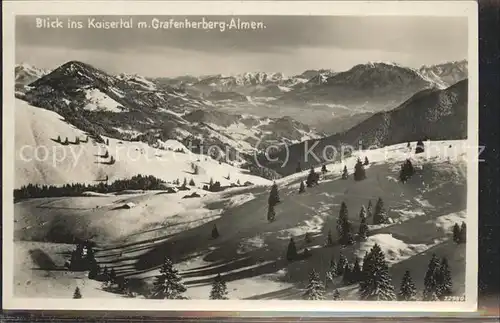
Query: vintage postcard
x=240, y=156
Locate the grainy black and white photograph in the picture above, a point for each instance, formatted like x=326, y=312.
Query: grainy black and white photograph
x=254, y=157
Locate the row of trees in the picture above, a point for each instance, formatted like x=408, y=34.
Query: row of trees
x=138, y=182
x=375, y=281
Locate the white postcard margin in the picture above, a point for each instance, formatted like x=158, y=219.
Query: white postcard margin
x=319, y=8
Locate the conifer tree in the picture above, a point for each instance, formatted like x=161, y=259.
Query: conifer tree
x=112, y=276
x=444, y=282
x=359, y=171
x=59, y=139
x=323, y=169
x=105, y=274
x=168, y=284
x=377, y=282
x=271, y=214
x=274, y=197
x=369, y=209
x=380, y=214
x=344, y=227
x=367, y=162
x=420, y=147
x=456, y=233
x=341, y=264
x=215, y=232
x=332, y=270
x=408, y=145
x=347, y=278
x=345, y=174
x=407, y=171
x=302, y=187
x=219, y=289
x=211, y=182
x=407, y=291
x=356, y=271
x=315, y=289
x=66, y=141
x=77, y=140
x=463, y=233
x=77, y=294
x=184, y=183
x=291, y=253
x=107, y=142
x=431, y=283
x=329, y=239
x=94, y=270
x=312, y=178
x=191, y=182
x=363, y=230
x=336, y=295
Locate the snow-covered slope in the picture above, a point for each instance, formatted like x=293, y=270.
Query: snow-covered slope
x=250, y=251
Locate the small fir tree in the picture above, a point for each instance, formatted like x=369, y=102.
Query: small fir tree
x=184, y=183
x=363, y=230
x=315, y=289
x=463, y=233
x=329, y=239
x=271, y=214
x=347, y=278
x=312, y=178
x=66, y=141
x=356, y=271
x=336, y=295
x=58, y=138
x=331, y=273
x=420, y=147
x=444, y=282
x=345, y=174
x=367, y=162
x=77, y=140
x=342, y=263
x=323, y=169
x=168, y=284
x=407, y=171
x=77, y=294
x=456, y=233
x=291, y=252
x=369, y=209
x=344, y=226
x=215, y=232
x=302, y=187
x=407, y=291
x=380, y=214
x=359, y=171
x=219, y=289
x=274, y=197
x=191, y=182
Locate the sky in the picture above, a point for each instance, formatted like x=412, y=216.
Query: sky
x=287, y=44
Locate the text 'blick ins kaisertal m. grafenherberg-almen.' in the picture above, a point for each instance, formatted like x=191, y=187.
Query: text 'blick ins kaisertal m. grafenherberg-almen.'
x=232, y=23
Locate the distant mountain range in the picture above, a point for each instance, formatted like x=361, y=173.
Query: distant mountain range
x=380, y=103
